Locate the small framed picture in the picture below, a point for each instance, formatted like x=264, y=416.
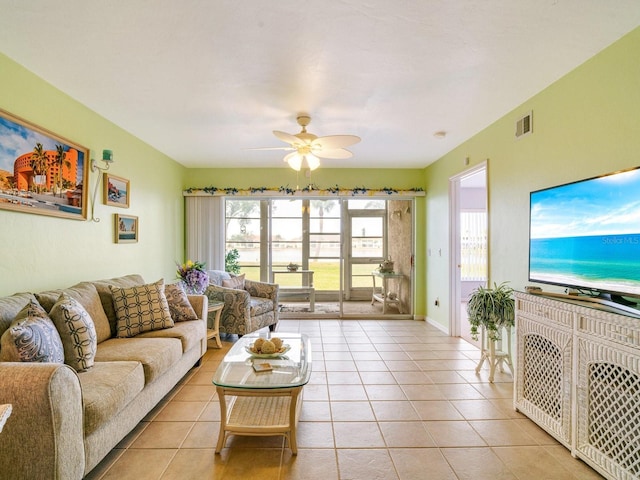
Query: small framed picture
x=126, y=227
x=116, y=191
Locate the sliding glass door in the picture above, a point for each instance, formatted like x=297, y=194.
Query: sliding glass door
x=322, y=251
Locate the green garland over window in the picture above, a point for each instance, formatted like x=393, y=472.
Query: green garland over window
x=309, y=189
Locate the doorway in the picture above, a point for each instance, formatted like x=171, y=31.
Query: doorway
x=469, y=243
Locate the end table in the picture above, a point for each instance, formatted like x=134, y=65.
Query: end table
x=213, y=332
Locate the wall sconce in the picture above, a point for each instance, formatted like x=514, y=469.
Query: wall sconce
x=107, y=158
x=397, y=213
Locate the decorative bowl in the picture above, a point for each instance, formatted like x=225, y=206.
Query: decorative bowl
x=284, y=349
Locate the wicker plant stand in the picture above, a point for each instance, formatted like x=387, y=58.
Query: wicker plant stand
x=493, y=353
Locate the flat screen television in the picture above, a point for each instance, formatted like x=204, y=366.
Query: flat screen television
x=585, y=236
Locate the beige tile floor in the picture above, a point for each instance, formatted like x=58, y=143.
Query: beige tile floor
x=388, y=399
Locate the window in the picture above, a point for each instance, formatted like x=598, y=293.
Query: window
x=243, y=233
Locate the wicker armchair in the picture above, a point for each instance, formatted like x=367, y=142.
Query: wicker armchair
x=246, y=309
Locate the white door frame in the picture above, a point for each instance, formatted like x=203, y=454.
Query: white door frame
x=455, y=299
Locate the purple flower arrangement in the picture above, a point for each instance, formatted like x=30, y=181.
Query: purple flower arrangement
x=193, y=277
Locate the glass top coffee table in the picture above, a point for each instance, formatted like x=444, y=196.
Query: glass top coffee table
x=262, y=403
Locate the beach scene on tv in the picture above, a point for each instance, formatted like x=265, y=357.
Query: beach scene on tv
x=587, y=234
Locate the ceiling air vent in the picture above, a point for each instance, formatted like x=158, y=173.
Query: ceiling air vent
x=524, y=125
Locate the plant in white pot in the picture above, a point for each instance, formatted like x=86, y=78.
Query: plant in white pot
x=491, y=308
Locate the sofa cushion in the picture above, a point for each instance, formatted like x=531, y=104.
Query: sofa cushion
x=179, y=304
x=10, y=306
x=102, y=286
x=190, y=333
x=141, y=309
x=107, y=389
x=234, y=282
x=157, y=355
x=77, y=332
x=258, y=306
x=87, y=295
x=217, y=276
x=32, y=337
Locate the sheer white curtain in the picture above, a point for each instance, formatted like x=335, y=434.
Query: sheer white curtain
x=205, y=231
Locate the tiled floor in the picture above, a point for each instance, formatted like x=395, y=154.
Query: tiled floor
x=388, y=399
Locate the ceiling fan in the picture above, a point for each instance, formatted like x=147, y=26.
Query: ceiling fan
x=307, y=148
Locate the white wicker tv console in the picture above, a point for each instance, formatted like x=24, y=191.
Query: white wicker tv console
x=578, y=377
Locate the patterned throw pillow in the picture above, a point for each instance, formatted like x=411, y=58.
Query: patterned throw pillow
x=216, y=277
x=141, y=309
x=77, y=331
x=234, y=282
x=31, y=337
x=179, y=305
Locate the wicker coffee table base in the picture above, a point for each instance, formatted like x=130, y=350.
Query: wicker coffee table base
x=259, y=412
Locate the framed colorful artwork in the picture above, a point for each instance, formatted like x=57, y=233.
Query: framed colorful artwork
x=126, y=228
x=41, y=172
x=116, y=191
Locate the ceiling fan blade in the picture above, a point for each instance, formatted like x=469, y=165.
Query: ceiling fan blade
x=287, y=137
x=333, y=153
x=271, y=148
x=331, y=142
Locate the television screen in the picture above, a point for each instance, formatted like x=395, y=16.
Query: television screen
x=586, y=235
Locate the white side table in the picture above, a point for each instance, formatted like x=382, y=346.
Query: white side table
x=385, y=296
x=5, y=413
x=213, y=332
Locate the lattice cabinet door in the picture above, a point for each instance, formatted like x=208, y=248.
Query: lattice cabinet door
x=608, y=397
x=544, y=366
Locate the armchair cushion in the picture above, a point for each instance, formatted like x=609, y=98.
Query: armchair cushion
x=259, y=306
x=236, y=282
x=216, y=277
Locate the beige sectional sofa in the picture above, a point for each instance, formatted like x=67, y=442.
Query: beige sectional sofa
x=66, y=420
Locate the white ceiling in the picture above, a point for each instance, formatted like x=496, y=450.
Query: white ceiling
x=204, y=80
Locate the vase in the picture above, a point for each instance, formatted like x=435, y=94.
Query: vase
x=196, y=284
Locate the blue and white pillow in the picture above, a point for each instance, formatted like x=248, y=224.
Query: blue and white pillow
x=31, y=337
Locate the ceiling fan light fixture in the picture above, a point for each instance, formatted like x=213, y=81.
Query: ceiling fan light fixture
x=313, y=162
x=294, y=160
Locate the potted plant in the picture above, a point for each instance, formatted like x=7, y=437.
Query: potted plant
x=231, y=263
x=493, y=308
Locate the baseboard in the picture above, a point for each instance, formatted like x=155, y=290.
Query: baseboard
x=439, y=326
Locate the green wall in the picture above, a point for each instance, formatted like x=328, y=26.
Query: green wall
x=585, y=124
x=40, y=252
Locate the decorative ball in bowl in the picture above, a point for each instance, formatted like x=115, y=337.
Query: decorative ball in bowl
x=292, y=267
x=267, y=348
